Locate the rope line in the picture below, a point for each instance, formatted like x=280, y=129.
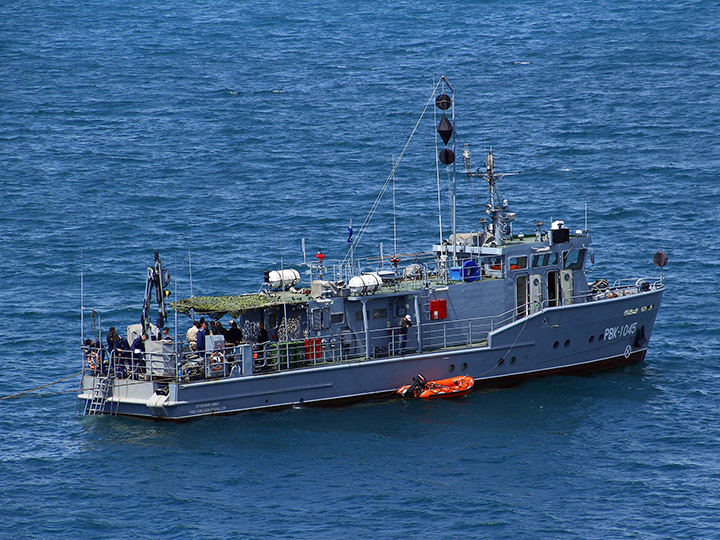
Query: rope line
x=11, y=396
x=51, y=393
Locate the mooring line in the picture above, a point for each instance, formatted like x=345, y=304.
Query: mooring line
x=39, y=387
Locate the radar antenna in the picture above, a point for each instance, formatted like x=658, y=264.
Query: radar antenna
x=498, y=209
x=660, y=259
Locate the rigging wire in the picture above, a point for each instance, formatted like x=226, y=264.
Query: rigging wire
x=394, y=219
x=370, y=215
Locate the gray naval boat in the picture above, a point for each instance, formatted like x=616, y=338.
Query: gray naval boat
x=494, y=305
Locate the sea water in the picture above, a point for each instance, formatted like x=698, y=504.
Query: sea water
x=223, y=133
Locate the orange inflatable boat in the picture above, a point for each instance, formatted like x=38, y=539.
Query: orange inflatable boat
x=442, y=388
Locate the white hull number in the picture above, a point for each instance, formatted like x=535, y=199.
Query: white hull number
x=615, y=332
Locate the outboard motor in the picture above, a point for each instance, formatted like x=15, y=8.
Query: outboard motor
x=416, y=387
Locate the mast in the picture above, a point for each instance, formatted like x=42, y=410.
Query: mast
x=454, y=177
x=437, y=178
x=446, y=130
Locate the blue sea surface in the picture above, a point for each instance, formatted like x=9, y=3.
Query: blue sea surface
x=232, y=130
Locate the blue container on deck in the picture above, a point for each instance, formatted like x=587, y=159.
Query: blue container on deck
x=469, y=271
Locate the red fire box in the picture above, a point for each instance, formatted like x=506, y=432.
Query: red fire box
x=438, y=309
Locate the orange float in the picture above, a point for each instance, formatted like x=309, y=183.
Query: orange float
x=442, y=388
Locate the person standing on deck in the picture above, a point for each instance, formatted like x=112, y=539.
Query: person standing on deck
x=234, y=335
x=137, y=349
x=204, y=331
x=262, y=336
x=191, y=335
x=220, y=330
x=405, y=324
x=138, y=345
x=111, y=339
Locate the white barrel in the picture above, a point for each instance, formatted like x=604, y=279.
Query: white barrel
x=284, y=278
x=365, y=284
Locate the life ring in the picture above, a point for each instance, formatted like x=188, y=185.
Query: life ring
x=612, y=295
x=216, y=361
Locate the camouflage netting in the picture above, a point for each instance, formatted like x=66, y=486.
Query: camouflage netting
x=217, y=306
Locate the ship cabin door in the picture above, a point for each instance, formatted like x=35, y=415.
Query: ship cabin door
x=566, y=286
x=521, y=296
x=552, y=289
x=536, y=293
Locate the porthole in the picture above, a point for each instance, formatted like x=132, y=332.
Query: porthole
x=600, y=337
x=512, y=359
x=592, y=338
x=451, y=368
x=567, y=342
x=556, y=345
x=463, y=367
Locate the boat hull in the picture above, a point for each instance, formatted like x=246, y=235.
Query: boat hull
x=571, y=340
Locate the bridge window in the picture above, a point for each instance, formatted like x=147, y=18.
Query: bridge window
x=518, y=263
x=574, y=259
x=493, y=263
x=544, y=259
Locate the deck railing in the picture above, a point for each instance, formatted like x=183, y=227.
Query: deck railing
x=624, y=287
x=184, y=365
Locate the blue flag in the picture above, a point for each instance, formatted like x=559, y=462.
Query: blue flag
x=349, y=235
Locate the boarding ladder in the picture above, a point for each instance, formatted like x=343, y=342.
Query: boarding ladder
x=95, y=406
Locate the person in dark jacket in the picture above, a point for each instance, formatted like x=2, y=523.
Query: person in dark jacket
x=234, y=334
x=204, y=331
x=405, y=325
x=122, y=357
x=262, y=336
x=138, y=349
x=220, y=330
x=138, y=344
x=111, y=339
